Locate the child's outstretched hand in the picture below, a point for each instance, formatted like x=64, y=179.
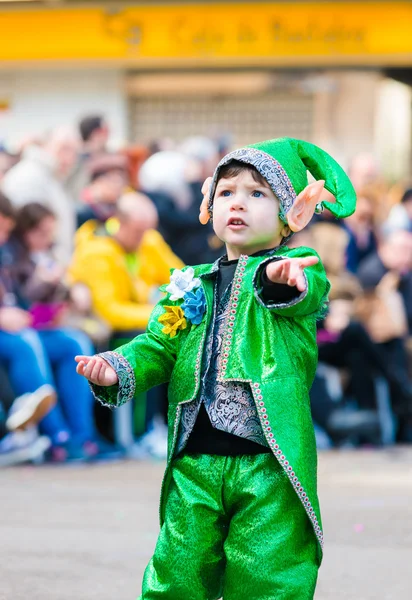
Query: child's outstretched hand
x=289, y=271
x=96, y=370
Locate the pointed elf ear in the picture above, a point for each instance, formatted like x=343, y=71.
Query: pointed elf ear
x=304, y=206
x=204, y=215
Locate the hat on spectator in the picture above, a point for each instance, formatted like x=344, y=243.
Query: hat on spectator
x=103, y=164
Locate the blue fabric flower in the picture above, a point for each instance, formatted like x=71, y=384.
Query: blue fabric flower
x=194, y=305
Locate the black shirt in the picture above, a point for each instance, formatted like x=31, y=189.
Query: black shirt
x=204, y=438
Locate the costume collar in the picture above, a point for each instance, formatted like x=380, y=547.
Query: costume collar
x=214, y=268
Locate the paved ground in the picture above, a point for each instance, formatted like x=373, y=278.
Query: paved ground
x=86, y=533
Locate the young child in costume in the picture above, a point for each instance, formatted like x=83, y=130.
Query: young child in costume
x=236, y=341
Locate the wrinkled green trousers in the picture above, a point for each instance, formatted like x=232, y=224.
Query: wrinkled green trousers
x=234, y=528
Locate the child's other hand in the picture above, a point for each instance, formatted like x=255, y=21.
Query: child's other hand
x=289, y=271
x=96, y=370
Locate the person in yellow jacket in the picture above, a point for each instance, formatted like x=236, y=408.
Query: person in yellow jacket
x=123, y=263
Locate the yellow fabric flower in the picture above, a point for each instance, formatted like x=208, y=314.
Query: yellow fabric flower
x=173, y=319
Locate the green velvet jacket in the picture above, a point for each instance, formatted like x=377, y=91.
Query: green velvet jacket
x=270, y=346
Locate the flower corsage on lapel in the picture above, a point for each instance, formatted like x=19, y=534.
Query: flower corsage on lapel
x=173, y=320
x=183, y=286
x=194, y=305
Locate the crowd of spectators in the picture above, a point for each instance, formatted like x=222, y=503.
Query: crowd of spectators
x=85, y=244
x=87, y=237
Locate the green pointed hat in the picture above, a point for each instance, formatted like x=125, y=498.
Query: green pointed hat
x=284, y=163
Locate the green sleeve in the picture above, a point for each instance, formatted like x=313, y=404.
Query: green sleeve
x=312, y=301
x=143, y=363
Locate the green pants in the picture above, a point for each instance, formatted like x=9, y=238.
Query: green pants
x=234, y=528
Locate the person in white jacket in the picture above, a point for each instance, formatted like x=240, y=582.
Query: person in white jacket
x=40, y=176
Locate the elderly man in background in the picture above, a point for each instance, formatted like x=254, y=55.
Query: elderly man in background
x=123, y=262
x=39, y=177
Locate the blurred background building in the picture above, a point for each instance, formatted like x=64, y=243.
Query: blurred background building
x=335, y=73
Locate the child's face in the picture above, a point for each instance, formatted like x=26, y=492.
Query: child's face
x=246, y=215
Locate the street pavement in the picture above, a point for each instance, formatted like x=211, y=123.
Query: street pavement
x=86, y=533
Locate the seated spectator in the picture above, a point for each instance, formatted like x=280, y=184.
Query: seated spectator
x=130, y=261
x=108, y=181
x=39, y=177
x=393, y=255
x=345, y=343
x=37, y=274
x=362, y=239
x=39, y=278
x=40, y=350
x=17, y=415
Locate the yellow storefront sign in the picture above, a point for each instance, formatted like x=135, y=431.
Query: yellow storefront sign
x=275, y=34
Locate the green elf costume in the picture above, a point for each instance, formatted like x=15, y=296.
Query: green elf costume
x=239, y=510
